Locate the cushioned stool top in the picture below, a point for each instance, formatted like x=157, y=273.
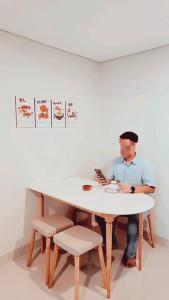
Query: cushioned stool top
x=77, y=240
x=49, y=225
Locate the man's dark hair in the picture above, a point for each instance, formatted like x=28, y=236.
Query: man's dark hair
x=129, y=135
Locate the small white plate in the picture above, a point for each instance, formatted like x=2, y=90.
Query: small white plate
x=110, y=190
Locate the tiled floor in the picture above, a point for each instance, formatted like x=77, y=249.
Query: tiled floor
x=20, y=283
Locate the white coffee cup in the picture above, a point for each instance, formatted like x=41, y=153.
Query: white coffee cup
x=113, y=187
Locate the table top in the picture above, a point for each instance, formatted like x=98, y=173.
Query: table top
x=97, y=200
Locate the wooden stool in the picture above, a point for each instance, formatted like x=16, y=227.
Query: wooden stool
x=152, y=228
x=47, y=226
x=152, y=235
x=77, y=240
x=150, y=217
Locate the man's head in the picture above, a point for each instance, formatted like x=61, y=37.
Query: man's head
x=128, y=141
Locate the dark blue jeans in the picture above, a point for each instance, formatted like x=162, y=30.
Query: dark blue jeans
x=132, y=234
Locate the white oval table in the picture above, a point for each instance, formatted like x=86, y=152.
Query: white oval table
x=97, y=202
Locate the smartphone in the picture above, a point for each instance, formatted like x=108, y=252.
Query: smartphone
x=100, y=174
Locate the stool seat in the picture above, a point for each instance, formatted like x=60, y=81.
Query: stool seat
x=49, y=225
x=77, y=240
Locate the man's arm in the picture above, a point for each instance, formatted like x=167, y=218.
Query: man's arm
x=144, y=189
x=147, y=179
x=126, y=188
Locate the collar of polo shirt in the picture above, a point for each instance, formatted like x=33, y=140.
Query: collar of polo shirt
x=134, y=161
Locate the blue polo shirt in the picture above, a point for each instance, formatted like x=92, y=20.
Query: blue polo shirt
x=137, y=172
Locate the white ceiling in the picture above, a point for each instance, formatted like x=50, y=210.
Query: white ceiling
x=96, y=29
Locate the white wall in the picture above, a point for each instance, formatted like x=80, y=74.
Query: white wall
x=26, y=155
x=135, y=92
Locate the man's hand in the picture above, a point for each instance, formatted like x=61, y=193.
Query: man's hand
x=101, y=181
x=124, y=187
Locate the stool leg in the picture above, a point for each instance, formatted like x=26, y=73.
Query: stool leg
x=102, y=264
x=74, y=215
x=80, y=262
x=41, y=214
x=31, y=247
x=53, y=267
x=47, y=267
x=140, y=242
x=115, y=224
x=152, y=231
x=76, y=258
x=90, y=221
x=42, y=244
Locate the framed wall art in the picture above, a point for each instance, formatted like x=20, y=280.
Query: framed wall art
x=25, y=112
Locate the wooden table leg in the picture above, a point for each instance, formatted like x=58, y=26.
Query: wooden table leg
x=41, y=206
x=140, y=240
x=109, y=254
x=41, y=214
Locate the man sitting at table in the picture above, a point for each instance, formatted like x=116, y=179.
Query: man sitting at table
x=135, y=175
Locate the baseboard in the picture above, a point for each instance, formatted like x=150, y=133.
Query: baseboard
x=162, y=241
x=17, y=252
